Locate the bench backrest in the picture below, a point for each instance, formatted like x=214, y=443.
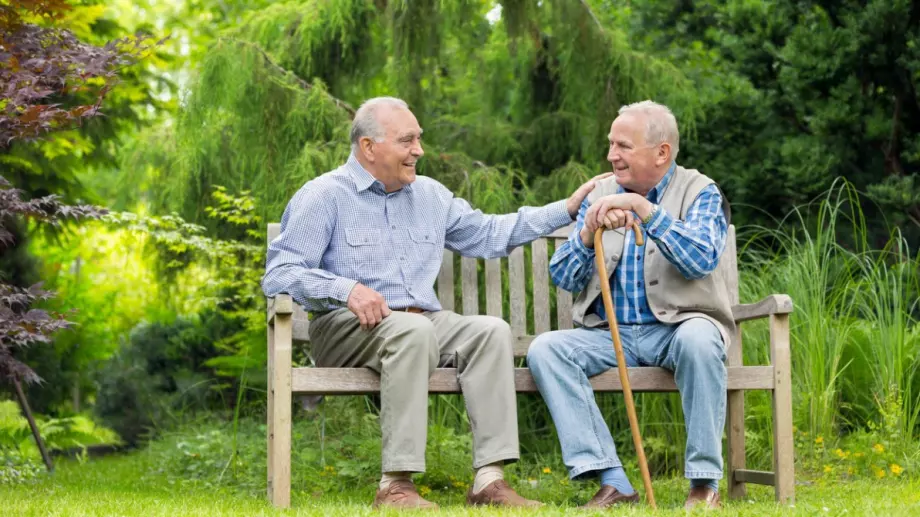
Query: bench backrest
x=509, y=288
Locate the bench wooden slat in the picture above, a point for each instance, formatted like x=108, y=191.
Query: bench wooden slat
x=494, y=287
x=562, y=233
x=446, y=281
x=356, y=381
x=758, y=477
x=518, y=294
x=772, y=304
x=469, y=282
x=301, y=330
x=539, y=250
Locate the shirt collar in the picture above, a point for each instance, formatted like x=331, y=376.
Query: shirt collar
x=654, y=195
x=364, y=180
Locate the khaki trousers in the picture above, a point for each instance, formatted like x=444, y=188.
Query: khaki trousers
x=405, y=349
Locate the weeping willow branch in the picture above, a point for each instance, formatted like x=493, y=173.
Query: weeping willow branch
x=303, y=84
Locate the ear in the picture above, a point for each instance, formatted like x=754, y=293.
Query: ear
x=663, y=154
x=367, y=147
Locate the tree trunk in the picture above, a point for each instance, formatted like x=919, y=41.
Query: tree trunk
x=28, y=413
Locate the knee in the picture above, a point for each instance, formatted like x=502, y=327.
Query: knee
x=543, y=351
x=699, y=342
x=498, y=332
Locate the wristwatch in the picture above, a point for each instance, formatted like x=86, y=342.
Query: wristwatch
x=651, y=213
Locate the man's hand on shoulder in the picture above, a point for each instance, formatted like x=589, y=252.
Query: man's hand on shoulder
x=368, y=305
x=573, y=203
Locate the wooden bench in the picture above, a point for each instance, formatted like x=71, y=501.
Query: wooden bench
x=287, y=323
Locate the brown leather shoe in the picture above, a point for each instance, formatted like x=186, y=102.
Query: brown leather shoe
x=402, y=494
x=608, y=496
x=498, y=493
x=703, y=495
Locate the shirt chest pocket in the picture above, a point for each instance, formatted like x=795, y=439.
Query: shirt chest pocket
x=423, y=236
x=363, y=245
x=357, y=237
x=425, y=241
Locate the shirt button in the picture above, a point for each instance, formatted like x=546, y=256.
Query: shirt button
x=638, y=283
x=638, y=256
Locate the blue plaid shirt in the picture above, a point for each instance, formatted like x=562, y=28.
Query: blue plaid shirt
x=693, y=245
x=343, y=227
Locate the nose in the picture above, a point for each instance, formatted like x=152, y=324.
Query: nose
x=613, y=154
x=417, y=151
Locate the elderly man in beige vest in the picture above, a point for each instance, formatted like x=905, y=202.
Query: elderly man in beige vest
x=671, y=302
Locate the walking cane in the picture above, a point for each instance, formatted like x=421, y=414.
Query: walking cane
x=600, y=262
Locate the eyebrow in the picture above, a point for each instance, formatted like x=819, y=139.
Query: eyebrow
x=410, y=134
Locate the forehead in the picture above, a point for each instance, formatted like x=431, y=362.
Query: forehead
x=628, y=127
x=398, y=121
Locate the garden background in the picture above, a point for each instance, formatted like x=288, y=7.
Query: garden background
x=807, y=113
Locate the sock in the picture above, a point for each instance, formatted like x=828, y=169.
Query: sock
x=487, y=475
x=389, y=477
x=711, y=483
x=616, y=477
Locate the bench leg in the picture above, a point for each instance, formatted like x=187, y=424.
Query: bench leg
x=734, y=424
x=735, y=443
x=783, y=444
x=279, y=411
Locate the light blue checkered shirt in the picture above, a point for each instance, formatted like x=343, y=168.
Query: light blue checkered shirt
x=342, y=228
x=693, y=245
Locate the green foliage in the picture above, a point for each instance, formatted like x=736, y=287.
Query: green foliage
x=16, y=467
x=18, y=445
x=163, y=374
x=270, y=105
x=796, y=94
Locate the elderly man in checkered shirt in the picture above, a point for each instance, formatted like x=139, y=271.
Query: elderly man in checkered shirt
x=360, y=247
x=671, y=301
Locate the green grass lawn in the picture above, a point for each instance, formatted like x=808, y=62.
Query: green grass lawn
x=126, y=485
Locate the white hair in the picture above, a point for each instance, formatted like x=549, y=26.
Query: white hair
x=366, y=123
x=661, y=126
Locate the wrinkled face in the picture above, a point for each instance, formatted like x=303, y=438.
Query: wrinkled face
x=637, y=165
x=394, y=159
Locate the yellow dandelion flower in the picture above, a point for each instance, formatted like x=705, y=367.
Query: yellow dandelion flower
x=547, y=470
x=896, y=469
x=879, y=448
x=424, y=490
x=819, y=440
x=828, y=469
x=839, y=453
x=879, y=473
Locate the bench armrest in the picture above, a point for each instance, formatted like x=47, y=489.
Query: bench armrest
x=772, y=304
x=280, y=304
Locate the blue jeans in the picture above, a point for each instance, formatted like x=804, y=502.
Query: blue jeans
x=561, y=362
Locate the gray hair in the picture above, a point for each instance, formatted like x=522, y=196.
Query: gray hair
x=366, y=123
x=661, y=126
